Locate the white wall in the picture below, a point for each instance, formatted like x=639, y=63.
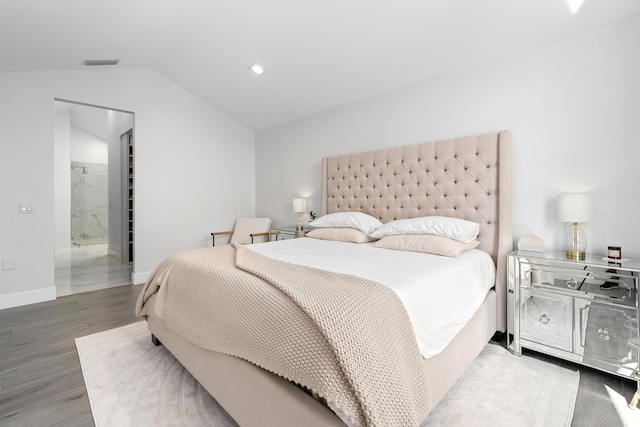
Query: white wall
x=195, y=169
x=573, y=109
x=88, y=148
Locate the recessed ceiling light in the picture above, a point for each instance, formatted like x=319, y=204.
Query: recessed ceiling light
x=256, y=68
x=98, y=62
x=575, y=5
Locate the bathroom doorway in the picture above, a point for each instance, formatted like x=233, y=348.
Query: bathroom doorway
x=93, y=189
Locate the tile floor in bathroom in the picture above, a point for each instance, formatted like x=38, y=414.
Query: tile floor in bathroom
x=87, y=268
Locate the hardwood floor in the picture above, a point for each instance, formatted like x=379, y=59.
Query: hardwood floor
x=41, y=381
x=594, y=406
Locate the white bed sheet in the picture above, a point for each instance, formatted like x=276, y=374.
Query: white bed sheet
x=440, y=294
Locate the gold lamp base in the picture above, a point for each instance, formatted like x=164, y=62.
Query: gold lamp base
x=576, y=255
x=299, y=225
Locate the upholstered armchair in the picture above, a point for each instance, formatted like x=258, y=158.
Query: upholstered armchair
x=248, y=231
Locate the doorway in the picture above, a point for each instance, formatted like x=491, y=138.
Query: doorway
x=93, y=189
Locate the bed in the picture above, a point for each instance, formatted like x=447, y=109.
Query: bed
x=467, y=178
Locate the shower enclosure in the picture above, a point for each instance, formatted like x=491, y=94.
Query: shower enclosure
x=89, y=203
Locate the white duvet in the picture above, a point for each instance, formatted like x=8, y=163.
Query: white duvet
x=440, y=294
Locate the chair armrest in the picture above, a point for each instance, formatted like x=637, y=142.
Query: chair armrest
x=216, y=233
x=264, y=233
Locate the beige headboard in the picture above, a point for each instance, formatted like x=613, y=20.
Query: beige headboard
x=468, y=177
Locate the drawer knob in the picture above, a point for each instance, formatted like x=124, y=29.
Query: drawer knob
x=572, y=283
x=544, y=319
x=603, y=333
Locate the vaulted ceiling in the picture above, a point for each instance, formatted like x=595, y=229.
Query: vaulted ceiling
x=318, y=54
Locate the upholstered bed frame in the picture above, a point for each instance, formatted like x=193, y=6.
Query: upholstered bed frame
x=467, y=177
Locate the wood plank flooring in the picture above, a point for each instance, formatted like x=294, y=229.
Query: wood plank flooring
x=594, y=407
x=41, y=381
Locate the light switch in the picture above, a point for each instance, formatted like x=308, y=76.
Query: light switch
x=26, y=208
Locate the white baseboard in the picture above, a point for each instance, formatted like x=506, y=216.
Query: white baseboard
x=29, y=297
x=138, y=278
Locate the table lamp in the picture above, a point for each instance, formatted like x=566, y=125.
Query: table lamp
x=575, y=209
x=299, y=207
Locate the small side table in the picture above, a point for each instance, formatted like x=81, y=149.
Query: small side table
x=584, y=311
x=290, y=232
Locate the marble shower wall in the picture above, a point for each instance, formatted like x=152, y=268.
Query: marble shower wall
x=89, y=202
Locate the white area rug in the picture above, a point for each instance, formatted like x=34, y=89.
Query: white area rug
x=500, y=389
x=131, y=382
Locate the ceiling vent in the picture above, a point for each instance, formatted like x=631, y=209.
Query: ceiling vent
x=99, y=62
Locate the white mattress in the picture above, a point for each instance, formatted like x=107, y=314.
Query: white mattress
x=440, y=294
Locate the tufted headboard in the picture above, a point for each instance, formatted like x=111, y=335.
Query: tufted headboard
x=468, y=177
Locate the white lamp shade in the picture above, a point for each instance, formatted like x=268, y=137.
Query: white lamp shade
x=575, y=208
x=299, y=205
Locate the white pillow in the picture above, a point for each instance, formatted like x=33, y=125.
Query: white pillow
x=358, y=220
x=453, y=228
x=427, y=243
x=340, y=234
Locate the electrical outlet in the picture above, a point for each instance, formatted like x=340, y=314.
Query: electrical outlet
x=9, y=263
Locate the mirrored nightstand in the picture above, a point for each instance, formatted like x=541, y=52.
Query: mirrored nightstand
x=290, y=232
x=583, y=311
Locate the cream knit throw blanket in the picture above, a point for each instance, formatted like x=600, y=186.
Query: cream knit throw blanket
x=346, y=338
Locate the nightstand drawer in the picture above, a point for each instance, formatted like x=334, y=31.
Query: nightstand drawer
x=603, y=332
x=286, y=233
x=286, y=236
x=601, y=282
x=547, y=318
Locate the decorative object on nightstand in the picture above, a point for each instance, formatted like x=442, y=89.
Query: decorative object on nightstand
x=299, y=207
x=312, y=215
x=614, y=253
x=531, y=243
x=559, y=307
x=614, y=259
x=575, y=209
